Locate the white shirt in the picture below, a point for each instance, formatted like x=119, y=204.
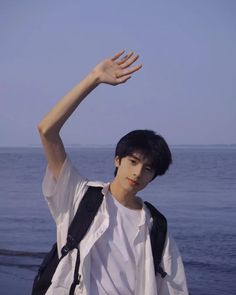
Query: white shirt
x=113, y=257
x=63, y=198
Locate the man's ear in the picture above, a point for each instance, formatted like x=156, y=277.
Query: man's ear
x=117, y=161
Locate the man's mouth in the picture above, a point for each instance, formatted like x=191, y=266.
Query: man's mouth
x=133, y=182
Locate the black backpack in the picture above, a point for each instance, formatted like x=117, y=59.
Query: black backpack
x=82, y=220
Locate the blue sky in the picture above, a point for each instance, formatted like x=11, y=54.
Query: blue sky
x=185, y=91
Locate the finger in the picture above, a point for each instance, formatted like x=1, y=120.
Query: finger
x=125, y=58
x=128, y=71
x=123, y=79
x=129, y=61
x=117, y=55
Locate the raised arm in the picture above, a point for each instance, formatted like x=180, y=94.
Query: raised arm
x=113, y=71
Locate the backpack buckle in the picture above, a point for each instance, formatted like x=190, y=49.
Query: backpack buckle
x=161, y=272
x=70, y=244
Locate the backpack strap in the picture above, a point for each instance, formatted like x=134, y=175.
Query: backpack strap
x=83, y=218
x=158, y=237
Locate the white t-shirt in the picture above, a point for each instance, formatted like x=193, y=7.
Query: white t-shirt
x=113, y=257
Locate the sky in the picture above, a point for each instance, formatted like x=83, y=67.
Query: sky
x=186, y=90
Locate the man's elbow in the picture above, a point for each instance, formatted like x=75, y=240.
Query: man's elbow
x=42, y=129
x=46, y=131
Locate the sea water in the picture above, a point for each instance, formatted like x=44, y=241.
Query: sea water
x=197, y=195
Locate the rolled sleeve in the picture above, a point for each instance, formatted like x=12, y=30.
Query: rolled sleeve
x=61, y=194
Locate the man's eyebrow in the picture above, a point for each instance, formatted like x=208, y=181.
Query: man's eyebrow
x=139, y=159
x=135, y=157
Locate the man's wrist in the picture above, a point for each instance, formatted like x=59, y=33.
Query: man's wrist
x=95, y=77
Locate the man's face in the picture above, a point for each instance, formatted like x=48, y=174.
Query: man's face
x=134, y=172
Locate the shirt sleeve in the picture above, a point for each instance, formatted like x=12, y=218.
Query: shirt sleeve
x=62, y=194
x=175, y=281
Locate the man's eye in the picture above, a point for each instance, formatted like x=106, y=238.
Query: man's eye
x=149, y=169
x=132, y=161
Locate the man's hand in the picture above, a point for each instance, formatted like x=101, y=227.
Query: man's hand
x=116, y=70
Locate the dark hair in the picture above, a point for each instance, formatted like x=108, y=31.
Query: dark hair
x=150, y=145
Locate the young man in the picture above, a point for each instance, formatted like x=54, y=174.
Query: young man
x=115, y=254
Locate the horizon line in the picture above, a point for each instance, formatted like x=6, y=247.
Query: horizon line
x=75, y=145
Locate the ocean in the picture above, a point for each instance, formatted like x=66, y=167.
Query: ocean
x=197, y=195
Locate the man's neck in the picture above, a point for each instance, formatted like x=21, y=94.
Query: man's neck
x=127, y=199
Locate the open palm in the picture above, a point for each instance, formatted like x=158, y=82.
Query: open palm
x=117, y=70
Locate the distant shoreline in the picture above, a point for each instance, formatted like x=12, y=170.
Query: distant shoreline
x=113, y=146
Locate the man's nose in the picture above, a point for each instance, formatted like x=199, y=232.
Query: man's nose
x=137, y=170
